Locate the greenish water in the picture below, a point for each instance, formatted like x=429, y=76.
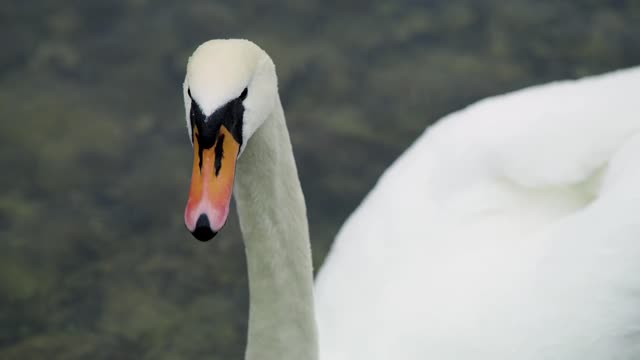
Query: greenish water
x=95, y=262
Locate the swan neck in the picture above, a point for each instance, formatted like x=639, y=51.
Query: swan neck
x=274, y=225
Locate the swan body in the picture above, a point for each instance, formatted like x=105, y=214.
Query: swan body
x=509, y=230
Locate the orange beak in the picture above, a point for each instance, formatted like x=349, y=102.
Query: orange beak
x=211, y=185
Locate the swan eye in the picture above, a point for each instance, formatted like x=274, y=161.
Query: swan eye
x=196, y=112
x=196, y=116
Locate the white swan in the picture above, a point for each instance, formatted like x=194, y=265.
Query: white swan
x=510, y=230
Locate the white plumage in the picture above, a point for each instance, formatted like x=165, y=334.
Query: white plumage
x=509, y=230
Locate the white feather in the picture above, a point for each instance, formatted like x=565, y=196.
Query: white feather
x=509, y=230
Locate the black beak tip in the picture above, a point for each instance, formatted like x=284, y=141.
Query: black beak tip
x=203, y=230
x=203, y=234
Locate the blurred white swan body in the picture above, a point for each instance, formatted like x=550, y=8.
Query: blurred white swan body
x=509, y=230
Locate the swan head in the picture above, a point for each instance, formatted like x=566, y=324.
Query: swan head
x=230, y=88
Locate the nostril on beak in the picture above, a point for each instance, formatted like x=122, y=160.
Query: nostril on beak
x=203, y=230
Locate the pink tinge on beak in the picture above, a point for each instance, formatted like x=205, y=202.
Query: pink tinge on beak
x=205, y=214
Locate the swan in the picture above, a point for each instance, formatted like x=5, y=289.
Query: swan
x=509, y=230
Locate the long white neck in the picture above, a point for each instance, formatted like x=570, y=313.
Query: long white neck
x=274, y=224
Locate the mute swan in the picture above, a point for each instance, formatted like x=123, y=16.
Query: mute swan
x=509, y=230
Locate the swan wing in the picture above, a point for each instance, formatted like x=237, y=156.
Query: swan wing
x=509, y=230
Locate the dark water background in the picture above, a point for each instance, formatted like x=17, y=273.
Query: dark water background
x=95, y=262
